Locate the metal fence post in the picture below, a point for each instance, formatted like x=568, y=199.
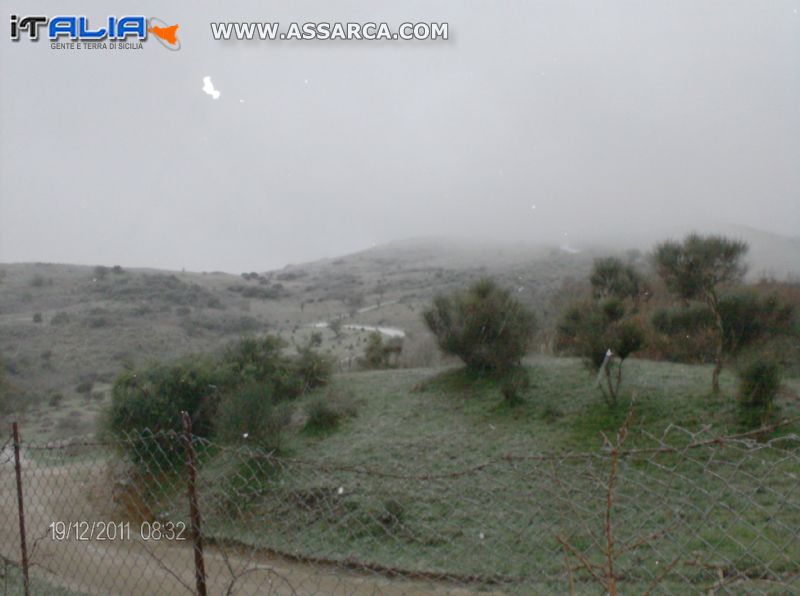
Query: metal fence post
x=194, y=509
x=21, y=508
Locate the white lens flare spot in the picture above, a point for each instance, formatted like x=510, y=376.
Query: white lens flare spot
x=208, y=88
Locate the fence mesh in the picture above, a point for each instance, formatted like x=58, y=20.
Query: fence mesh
x=684, y=513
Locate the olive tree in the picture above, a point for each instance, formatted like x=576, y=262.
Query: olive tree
x=697, y=269
x=602, y=330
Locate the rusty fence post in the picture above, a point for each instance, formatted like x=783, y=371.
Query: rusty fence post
x=194, y=509
x=21, y=507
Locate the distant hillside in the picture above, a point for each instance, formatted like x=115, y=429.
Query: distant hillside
x=66, y=331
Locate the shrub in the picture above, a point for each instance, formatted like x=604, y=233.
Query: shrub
x=336, y=326
x=250, y=369
x=748, y=320
x=378, y=353
x=153, y=398
x=254, y=415
x=611, y=277
x=312, y=368
x=514, y=385
x=262, y=360
x=60, y=318
x=261, y=292
x=220, y=324
x=37, y=317
x=325, y=412
x=484, y=326
x=322, y=416
x=85, y=386
x=315, y=339
x=758, y=385
x=98, y=322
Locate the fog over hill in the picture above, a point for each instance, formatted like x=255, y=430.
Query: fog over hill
x=536, y=122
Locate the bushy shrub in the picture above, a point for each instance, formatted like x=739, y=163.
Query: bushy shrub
x=262, y=360
x=322, y=416
x=378, y=353
x=325, y=412
x=37, y=317
x=514, y=385
x=581, y=332
x=153, y=398
x=752, y=321
x=759, y=382
x=253, y=415
x=485, y=326
x=146, y=405
x=260, y=292
x=312, y=368
x=611, y=277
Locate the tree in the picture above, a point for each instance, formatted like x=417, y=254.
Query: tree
x=748, y=319
x=485, y=326
x=604, y=336
x=611, y=278
x=602, y=330
x=696, y=269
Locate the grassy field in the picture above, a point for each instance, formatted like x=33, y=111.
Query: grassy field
x=498, y=521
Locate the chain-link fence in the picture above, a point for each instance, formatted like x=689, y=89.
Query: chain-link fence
x=171, y=513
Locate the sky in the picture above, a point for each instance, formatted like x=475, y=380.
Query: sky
x=538, y=122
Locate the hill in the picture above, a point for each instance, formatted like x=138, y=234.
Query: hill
x=67, y=330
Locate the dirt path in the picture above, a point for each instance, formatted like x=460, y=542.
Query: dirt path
x=134, y=567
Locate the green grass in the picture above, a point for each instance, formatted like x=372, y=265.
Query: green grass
x=733, y=506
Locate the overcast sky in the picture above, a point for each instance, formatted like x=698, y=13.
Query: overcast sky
x=602, y=115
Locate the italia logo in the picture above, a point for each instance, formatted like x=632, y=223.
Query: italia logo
x=76, y=28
